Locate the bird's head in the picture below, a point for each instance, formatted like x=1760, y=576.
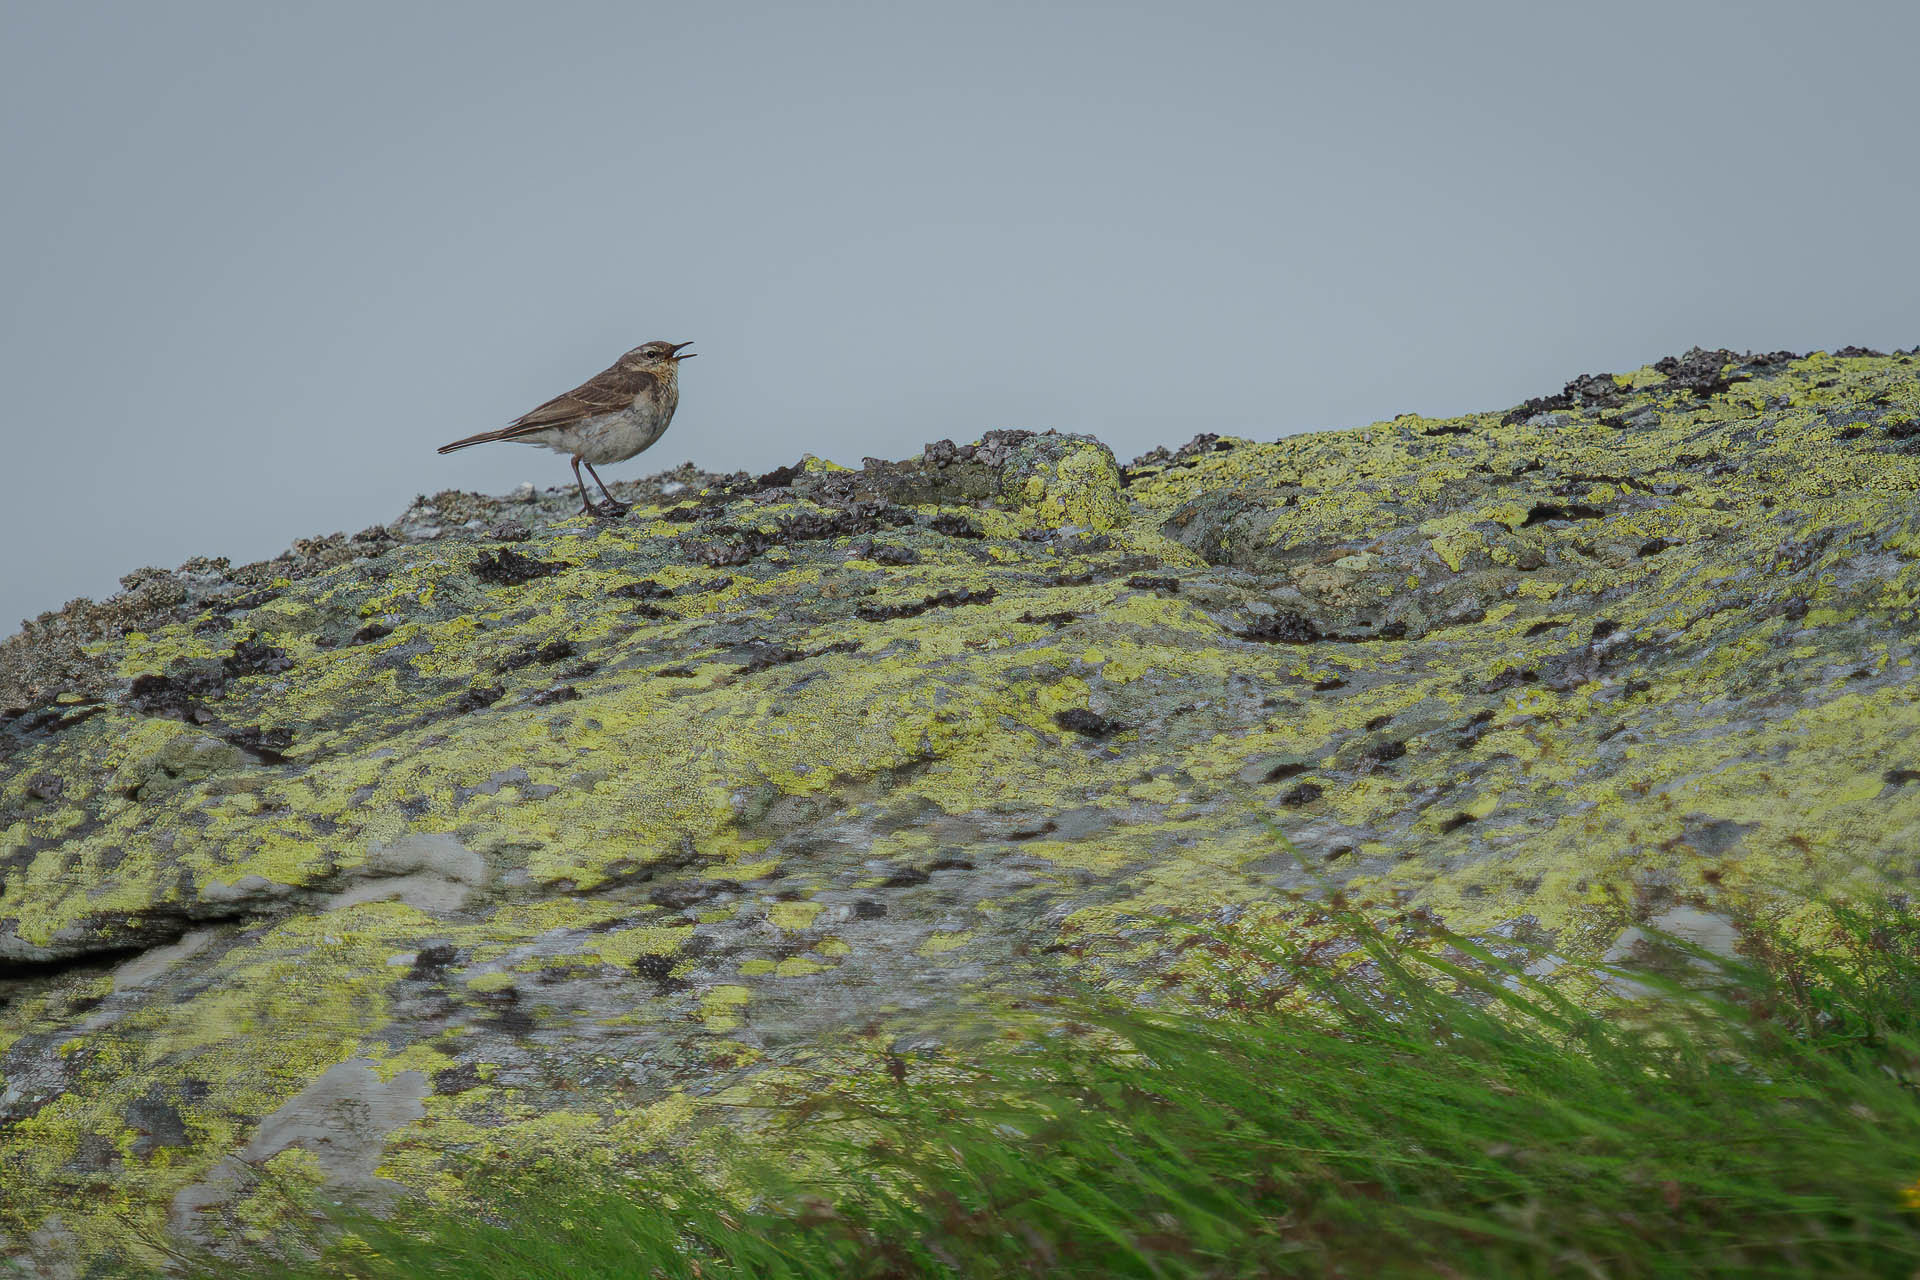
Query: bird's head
x=657, y=356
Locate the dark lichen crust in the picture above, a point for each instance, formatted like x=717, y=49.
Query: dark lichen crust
x=496, y=831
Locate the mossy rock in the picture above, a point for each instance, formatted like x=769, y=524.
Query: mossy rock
x=503, y=831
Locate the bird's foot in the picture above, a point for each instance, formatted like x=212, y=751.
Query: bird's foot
x=608, y=510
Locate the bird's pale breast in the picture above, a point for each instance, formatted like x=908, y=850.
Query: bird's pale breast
x=615, y=437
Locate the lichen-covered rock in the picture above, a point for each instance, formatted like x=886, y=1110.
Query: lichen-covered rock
x=503, y=832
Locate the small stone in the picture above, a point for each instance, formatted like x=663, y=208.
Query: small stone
x=1283, y=627
x=1088, y=723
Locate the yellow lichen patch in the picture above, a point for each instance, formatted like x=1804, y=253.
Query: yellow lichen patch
x=1083, y=489
x=793, y=916
x=721, y=1006
x=142, y=652
x=758, y=869
x=483, y=983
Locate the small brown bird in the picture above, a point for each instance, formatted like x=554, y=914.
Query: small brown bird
x=608, y=418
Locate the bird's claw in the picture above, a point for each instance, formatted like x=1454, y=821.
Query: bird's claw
x=608, y=510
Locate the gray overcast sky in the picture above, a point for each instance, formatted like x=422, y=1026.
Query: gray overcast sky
x=259, y=260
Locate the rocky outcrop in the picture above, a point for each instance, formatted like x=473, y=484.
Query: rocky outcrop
x=501, y=831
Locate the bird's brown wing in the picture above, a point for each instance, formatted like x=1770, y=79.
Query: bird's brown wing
x=608, y=392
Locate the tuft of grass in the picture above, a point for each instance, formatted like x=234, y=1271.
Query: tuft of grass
x=1449, y=1116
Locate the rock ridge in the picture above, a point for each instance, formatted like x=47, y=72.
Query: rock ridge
x=511, y=832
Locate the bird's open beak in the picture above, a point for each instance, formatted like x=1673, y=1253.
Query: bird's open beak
x=676, y=351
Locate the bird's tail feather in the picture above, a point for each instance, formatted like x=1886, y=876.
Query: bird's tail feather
x=483, y=438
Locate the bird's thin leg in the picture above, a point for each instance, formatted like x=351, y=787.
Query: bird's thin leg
x=586, y=503
x=617, y=507
x=608, y=510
